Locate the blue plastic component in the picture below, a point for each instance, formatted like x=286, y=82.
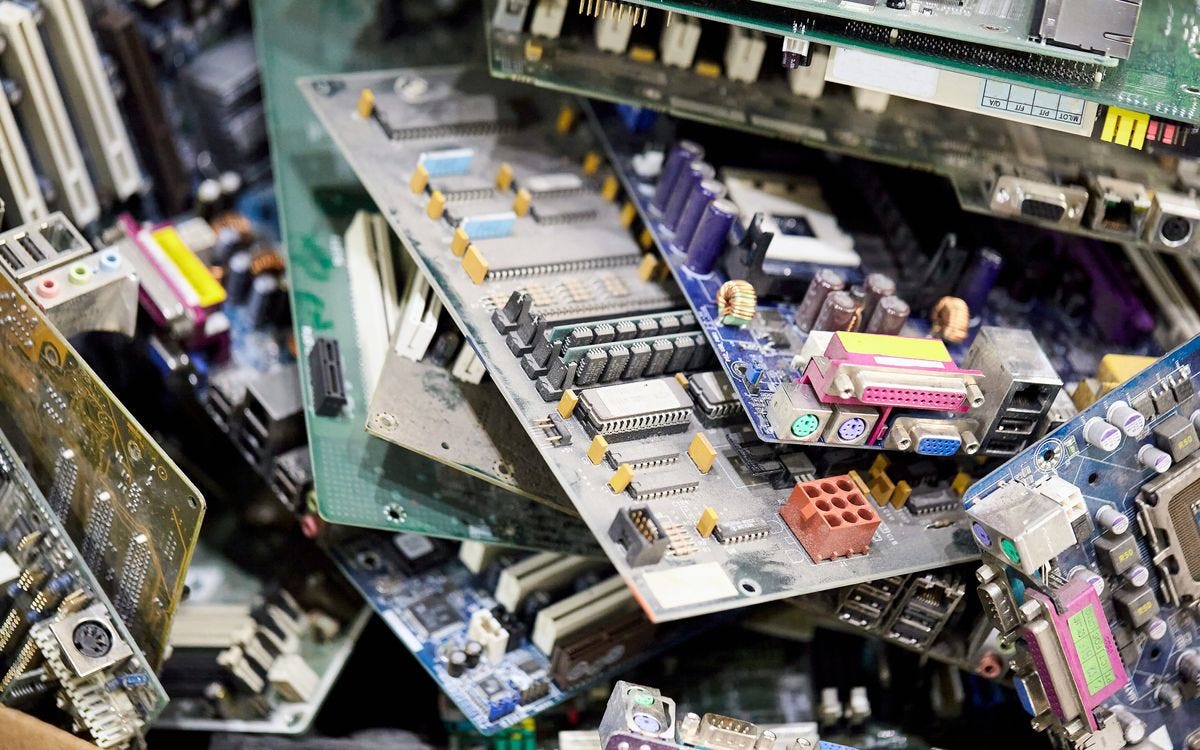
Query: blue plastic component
x=501, y=707
x=754, y=374
x=636, y=119
x=939, y=446
x=489, y=226
x=1023, y=696
x=447, y=161
x=823, y=745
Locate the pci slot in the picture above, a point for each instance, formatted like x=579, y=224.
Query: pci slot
x=90, y=97
x=143, y=107
x=547, y=571
x=18, y=183
x=44, y=114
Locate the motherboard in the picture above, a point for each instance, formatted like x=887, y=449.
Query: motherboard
x=505, y=634
x=1089, y=540
x=134, y=517
x=359, y=479
x=61, y=633
x=507, y=212
x=1128, y=56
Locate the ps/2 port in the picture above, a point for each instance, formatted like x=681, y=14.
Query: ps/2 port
x=805, y=425
x=1175, y=231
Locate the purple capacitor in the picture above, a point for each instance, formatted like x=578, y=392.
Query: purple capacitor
x=977, y=281
x=889, y=316
x=682, y=154
x=691, y=176
x=875, y=287
x=704, y=193
x=824, y=281
x=709, y=239
x=839, y=312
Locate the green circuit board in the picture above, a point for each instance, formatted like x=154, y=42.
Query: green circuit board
x=1161, y=76
x=362, y=480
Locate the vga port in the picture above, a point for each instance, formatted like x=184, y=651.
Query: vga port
x=1057, y=204
x=939, y=445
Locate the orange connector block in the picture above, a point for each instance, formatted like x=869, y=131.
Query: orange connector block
x=831, y=518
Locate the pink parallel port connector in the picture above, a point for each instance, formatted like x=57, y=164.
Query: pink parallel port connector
x=891, y=372
x=206, y=333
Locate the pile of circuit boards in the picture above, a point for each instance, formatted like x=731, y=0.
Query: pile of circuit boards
x=556, y=385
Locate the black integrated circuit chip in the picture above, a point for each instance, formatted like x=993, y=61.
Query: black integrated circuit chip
x=433, y=613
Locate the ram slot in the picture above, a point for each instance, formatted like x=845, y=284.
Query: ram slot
x=44, y=114
x=143, y=106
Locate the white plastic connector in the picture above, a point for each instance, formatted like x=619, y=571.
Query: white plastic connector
x=1065, y=494
x=91, y=96
x=489, y=633
x=580, y=611
x=548, y=17
x=45, y=115
x=368, y=298
x=679, y=41
x=468, y=367
x=18, y=182
x=419, y=311
x=613, y=32
x=744, y=53
x=543, y=571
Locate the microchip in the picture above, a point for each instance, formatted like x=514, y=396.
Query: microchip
x=463, y=188
x=419, y=553
x=674, y=481
x=935, y=501
x=529, y=665
x=434, y=614
x=740, y=531
x=491, y=687
x=628, y=409
x=714, y=395
x=641, y=456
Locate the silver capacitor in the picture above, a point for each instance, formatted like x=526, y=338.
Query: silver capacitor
x=890, y=315
x=261, y=305
x=875, y=287
x=823, y=282
x=838, y=312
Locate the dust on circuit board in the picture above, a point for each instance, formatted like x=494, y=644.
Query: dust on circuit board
x=437, y=606
x=769, y=352
x=1104, y=554
x=972, y=151
x=125, y=504
x=61, y=632
x=478, y=275
x=365, y=481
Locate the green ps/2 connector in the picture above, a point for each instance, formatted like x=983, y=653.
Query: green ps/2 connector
x=805, y=425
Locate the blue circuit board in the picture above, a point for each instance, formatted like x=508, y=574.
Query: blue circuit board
x=1140, y=520
x=762, y=356
x=444, y=597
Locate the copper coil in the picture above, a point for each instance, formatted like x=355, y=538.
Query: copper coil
x=233, y=221
x=950, y=319
x=266, y=261
x=737, y=302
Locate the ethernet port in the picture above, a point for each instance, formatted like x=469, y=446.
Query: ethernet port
x=1031, y=398
x=1121, y=206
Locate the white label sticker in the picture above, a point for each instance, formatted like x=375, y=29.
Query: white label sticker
x=690, y=585
x=906, y=362
x=1031, y=102
x=871, y=71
